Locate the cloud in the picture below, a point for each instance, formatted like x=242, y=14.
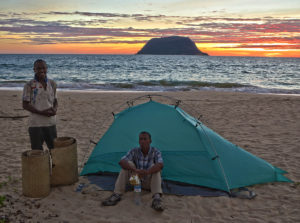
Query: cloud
x=202, y=29
x=56, y=40
x=272, y=26
x=90, y=14
x=68, y=31
x=137, y=17
x=266, y=46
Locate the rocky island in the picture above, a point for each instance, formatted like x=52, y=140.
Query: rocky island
x=173, y=45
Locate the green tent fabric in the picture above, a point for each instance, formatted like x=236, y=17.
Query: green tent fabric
x=192, y=152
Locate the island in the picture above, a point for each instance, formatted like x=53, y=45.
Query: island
x=172, y=45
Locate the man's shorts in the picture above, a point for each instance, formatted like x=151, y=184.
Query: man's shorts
x=39, y=135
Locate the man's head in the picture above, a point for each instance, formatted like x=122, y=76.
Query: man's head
x=40, y=69
x=145, y=140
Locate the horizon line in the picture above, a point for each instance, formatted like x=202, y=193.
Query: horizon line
x=125, y=54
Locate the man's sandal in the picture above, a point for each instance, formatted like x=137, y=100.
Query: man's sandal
x=112, y=200
x=157, y=204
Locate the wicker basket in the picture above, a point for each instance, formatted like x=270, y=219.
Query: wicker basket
x=35, y=173
x=64, y=161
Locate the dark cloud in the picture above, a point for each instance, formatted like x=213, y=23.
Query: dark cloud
x=250, y=40
x=138, y=17
x=68, y=31
x=17, y=22
x=94, y=14
x=266, y=46
x=276, y=26
x=284, y=26
x=204, y=19
x=55, y=40
x=149, y=18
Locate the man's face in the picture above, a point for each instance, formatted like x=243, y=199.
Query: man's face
x=144, y=141
x=40, y=70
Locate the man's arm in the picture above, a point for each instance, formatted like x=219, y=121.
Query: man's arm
x=48, y=112
x=158, y=164
x=125, y=165
x=155, y=168
x=55, y=105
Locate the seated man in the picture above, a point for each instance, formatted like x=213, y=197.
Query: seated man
x=146, y=162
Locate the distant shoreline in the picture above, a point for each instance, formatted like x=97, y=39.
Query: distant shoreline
x=84, y=91
x=132, y=54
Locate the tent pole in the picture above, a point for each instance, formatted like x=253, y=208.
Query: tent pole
x=216, y=157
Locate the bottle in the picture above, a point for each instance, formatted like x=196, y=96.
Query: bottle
x=137, y=194
x=137, y=190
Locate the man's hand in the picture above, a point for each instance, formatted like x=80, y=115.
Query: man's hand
x=48, y=112
x=141, y=173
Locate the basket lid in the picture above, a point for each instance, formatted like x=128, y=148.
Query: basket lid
x=32, y=153
x=63, y=141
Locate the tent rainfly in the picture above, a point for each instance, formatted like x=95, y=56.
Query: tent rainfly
x=192, y=152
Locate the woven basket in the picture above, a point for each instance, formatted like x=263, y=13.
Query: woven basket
x=64, y=161
x=35, y=173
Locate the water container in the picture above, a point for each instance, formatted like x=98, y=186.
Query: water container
x=137, y=194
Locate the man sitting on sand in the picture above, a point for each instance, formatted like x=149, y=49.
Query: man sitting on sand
x=146, y=162
x=39, y=98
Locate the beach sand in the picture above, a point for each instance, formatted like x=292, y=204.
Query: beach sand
x=268, y=126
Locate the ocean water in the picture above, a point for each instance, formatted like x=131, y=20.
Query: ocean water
x=157, y=73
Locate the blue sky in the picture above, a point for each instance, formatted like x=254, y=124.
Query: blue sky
x=168, y=7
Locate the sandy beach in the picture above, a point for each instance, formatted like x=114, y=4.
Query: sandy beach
x=268, y=126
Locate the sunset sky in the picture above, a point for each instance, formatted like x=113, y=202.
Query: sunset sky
x=268, y=28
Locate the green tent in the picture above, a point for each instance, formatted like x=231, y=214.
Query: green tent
x=192, y=152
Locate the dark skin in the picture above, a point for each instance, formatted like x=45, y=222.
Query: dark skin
x=40, y=70
x=144, y=141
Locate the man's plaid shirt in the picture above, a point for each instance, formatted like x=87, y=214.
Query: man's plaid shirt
x=143, y=162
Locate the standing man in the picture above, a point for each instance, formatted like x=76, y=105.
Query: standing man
x=146, y=162
x=39, y=98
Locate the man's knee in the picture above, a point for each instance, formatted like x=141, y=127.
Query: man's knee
x=131, y=164
x=124, y=171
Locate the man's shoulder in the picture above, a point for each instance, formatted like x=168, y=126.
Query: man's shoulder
x=155, y=149
x=52, y=82
x=134, y=150
x=31, y=83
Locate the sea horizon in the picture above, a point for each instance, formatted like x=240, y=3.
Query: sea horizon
x=130, y=54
